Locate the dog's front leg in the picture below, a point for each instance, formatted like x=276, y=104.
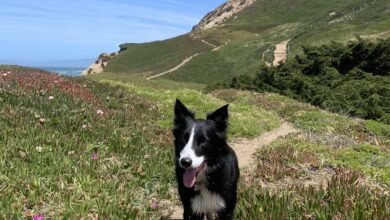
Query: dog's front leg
x=190, y=215
x=225, y=215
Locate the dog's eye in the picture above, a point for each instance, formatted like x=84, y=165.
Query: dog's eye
x=201, y=140
x=186, y=137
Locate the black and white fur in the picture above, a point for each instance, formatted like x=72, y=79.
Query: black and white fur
x=201, y=148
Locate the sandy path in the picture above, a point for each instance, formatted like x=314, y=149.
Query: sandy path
x=184, y=62
x=245, y=148
x=207, y=43
x=280, y=52
x=215, y=47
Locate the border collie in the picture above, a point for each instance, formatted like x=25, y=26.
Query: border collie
x=207, y=170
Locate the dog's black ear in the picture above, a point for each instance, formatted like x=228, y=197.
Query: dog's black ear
x=181, y=112
x=220, y=117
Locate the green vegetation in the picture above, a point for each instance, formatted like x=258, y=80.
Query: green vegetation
x=220, y=65
x=101, y=146
x=356, y=144
x=140, y=80
x=330, y=150
x=294, y=172
x=78, y=148
x=352, y=78
x=155, y=57
x=72, y=148
x=16, y=68
x=245, y=119
x=245, y=38
x=342, y=198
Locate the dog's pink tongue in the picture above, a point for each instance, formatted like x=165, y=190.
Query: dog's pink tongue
x=189, y=178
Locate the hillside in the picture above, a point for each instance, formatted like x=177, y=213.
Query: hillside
x=352, y=78
x=247, y=36
x=98, y=147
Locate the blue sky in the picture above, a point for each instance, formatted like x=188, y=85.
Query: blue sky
x=36, y=31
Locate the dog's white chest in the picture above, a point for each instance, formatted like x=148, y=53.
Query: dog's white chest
x=207, y=202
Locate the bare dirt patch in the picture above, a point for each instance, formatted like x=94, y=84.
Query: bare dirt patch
x=280, y=52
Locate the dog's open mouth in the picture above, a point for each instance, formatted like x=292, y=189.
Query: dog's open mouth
x=190, y=175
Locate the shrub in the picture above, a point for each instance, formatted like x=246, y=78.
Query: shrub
x=352, y=78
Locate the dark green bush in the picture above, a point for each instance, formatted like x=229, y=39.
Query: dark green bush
x=352, y=78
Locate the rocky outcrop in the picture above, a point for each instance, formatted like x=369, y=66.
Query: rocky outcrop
x=99, y=65
x=223, y=12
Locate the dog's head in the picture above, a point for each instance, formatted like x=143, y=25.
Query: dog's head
x=198, y=141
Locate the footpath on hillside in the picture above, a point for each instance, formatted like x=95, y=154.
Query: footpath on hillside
x=245, y=149
x=280, y=52
x=185, y=61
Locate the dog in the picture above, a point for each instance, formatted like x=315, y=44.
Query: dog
x=207, y=169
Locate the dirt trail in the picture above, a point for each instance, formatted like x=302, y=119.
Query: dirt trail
x=280, y=52
x=188, y=59
x=374, y=36
x=184, y=62
x=207, y=43
x=245, y=148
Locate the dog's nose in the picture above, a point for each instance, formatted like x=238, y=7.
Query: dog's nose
x=185, y=162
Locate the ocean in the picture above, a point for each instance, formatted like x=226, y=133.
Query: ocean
x=68, y=71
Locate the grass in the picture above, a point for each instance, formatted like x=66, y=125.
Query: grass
x=231, y=60
x=252, y=32
x=285, y=160
x=246, y=121
x=76, y=148
x=342, y=198
x=298, y=178
x=348, y=141
x=155, y=57
x=46, y=146
x=140, y=80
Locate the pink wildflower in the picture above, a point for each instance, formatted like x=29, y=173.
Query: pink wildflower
x=154, y=204
x=38, y=217
x=94, y=156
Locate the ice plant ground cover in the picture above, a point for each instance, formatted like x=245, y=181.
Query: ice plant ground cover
x=98, y=149
x=63, y=157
